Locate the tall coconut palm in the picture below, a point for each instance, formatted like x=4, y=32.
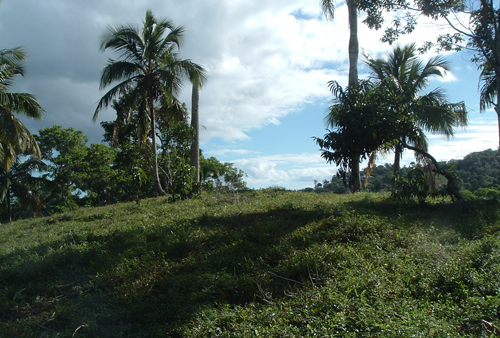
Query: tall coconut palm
x=195, y=123
x=15, y=138
x=328, y=7
x=148, y=68
x=198, y=80
x=405, y=76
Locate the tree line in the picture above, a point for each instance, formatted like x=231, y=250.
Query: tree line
x=75, y=174
x=150, y=149
x=478, y=173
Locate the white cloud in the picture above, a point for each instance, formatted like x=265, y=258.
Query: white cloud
x=225, y=152
x=295, y=171
x=265, y=59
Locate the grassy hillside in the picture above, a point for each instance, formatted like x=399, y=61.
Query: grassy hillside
x=261, y=264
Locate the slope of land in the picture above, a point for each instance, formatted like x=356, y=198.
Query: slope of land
x=265, y=263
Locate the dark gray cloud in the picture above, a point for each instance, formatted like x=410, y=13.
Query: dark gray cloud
x=264, y=61
x=63, y=69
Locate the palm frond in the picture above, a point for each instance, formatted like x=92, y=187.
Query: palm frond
x=125, y=40
x=22, y=103
x=488, y=90
x=15, y=138
x=328, y=8
x=107, y=99
x=119, y=71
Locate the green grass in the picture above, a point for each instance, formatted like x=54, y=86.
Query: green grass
x=260, y=264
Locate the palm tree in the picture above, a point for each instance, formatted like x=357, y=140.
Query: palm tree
x=405, y=76
x=149, y=68
x=328, y=7
x=195, y=123
x=15, y=138
x=19, y=183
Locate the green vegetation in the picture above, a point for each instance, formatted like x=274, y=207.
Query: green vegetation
x=267, y=263
x=392, y=110
x=477, y=172
x=76, y=174
x=15, y=138
x=150, y=72
x=237, y=263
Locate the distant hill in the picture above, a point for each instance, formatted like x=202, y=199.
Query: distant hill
x=476, y=170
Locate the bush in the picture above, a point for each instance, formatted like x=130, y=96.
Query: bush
x=413, y=184
x=468, y=195
x=488, y=194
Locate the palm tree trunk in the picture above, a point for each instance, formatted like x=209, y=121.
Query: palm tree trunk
x=353, y=43
x=195, y=123
x=9, y=207
x=156, y=176
x=355, y=183
x=398, y=150
x=497, y=110
x=353, y=80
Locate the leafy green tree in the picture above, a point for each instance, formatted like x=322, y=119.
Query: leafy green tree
x=133, y=159
x=15, y=138
x=361, y=121
x=215, y=174
x=176, y=137
x=95, y=174
x=63, y=151
x=373, y=19
x=364, y=119
x=96, y=177
x=405, y=76
x=148, y=69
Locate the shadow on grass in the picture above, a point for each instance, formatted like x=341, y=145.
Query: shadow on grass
x=151, y=280
x=146, y=281
x=471, y=219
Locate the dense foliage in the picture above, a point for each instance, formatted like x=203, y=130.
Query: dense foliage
x=75, y=174
x=476, y=172
x=392, y=110
x=260, y=263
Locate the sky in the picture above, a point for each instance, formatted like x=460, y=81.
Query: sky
x=268, y=65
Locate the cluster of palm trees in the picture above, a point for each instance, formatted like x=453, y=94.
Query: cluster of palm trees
x=149, y=72
x=146, y=78
x=394, y=111
x=404, y=76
